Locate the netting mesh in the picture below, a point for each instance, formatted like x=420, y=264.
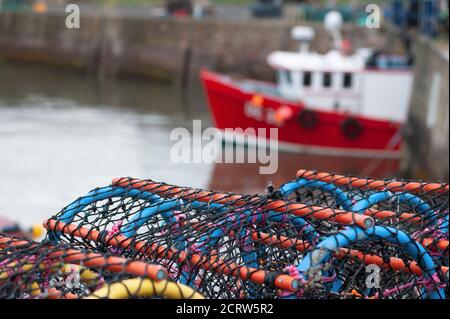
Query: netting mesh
x=319, y=236
x=32, y=270
x=419, y=209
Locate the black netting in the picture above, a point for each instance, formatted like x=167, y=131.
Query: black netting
x=33, y=270
x=319, y=236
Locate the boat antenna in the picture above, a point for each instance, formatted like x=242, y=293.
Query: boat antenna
x=304, y=35
x=333, y=23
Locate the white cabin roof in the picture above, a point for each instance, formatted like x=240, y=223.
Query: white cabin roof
x=333, y=61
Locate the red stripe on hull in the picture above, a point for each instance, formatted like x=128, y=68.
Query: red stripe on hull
x=227, y=104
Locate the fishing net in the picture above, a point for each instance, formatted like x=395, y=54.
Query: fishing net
x=417, y=208
x=318, y=236
x=33, y=270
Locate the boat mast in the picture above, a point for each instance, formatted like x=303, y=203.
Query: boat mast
x=333, y=24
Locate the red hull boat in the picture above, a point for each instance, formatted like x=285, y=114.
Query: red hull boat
x=244, y=104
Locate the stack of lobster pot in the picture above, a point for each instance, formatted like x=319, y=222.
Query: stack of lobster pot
x=320, y=235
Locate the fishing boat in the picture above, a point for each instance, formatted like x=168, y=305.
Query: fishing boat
x=334, y=103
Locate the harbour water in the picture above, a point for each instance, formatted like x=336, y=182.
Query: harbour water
x=63, y=133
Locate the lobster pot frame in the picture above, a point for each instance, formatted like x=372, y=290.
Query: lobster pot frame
x=418, y=208
x=225, y=251
x=318, y=236
x=31, y=270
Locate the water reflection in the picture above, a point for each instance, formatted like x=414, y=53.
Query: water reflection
x=64, y=133
x=61, y=135
x=244, y=178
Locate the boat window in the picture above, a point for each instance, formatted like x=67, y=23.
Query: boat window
x=307, y=79
x=327, y=79
x=288, y=77
x=348, y=79
x=285, y=77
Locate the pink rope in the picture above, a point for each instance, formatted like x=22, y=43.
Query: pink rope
x=389, y=292
x=429, y=284
x=179, y=216
x=329, y=279
x=115, y=229
x=293, y=272
x=179, y=219
x=433, y=283
x=245, y=242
